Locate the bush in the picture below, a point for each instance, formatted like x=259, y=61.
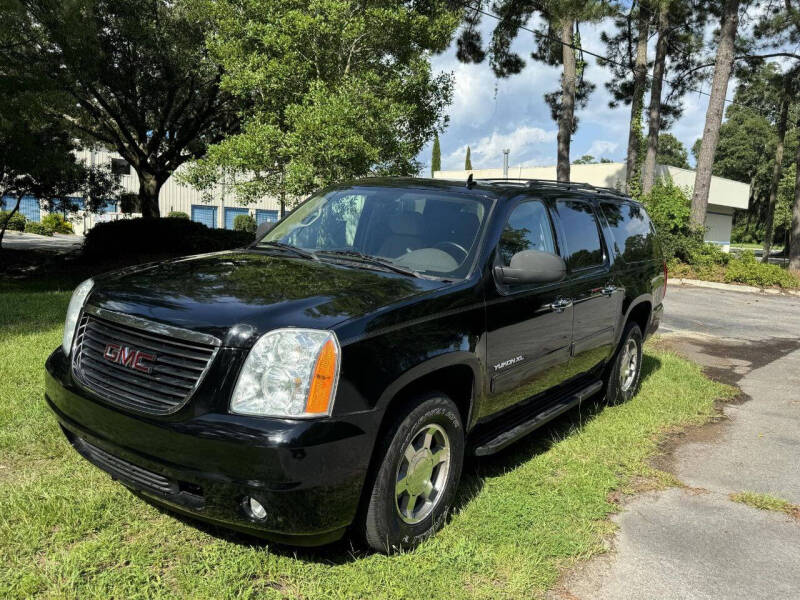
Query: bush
x=176, y=237
x=244, y=223
x=669, y=208
x=57, y=223
x=747, y=270
x=177, y=214
x=38, y=228
x=16, y=223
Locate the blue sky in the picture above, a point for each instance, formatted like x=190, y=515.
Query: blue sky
x=490, y=114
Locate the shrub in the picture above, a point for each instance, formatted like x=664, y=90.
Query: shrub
x=669, y=208
x=244, y=223
x=57, y=223
x=159, y=236
x=38, y=228
x=177, y=214
x=16, y=223
x=705, y=255
x=747, y=270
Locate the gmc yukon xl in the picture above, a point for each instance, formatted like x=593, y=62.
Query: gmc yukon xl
x=334, y=374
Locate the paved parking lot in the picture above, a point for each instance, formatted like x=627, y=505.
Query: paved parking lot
x=60, y=242
x=694, y=541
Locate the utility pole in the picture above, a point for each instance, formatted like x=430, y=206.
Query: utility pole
x=505, y=162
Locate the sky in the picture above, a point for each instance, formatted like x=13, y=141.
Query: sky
x=490, y=114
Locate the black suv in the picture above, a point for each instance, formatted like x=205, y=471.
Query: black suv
x=336, y=372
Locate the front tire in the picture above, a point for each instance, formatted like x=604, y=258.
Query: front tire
x=625, y=374
x=416, y=481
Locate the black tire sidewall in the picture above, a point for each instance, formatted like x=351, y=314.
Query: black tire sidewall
x=614, y=392
x=383, y=528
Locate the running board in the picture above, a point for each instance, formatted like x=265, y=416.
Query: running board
x=561, y=406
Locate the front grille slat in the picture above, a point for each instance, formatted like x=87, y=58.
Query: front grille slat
x=176, y=370
x=125, y=470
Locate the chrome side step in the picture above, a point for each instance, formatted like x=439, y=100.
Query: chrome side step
x=559, y=407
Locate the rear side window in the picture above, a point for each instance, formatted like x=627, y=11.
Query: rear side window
x=630, y=226
x=528, y=228
x=581, y=234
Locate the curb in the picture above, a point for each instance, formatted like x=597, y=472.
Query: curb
x=730, y=287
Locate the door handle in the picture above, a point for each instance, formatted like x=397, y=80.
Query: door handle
x=561, y=304
x=608, y=290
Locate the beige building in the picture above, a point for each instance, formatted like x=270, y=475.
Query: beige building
x=219, y=212
x=724, y=198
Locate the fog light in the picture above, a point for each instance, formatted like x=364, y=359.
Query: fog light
x=256, y=509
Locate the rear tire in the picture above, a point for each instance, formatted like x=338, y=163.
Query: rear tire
x=422, y=453
x=625, y=372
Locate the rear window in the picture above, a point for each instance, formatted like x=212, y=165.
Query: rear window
x=581, y=234
x=630, y=226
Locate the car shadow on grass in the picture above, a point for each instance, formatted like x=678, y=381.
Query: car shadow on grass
x=475, y=473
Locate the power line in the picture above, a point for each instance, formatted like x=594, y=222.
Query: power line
x=669, y=82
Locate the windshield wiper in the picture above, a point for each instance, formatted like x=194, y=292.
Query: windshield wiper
x=290, y=248
x=372, y=260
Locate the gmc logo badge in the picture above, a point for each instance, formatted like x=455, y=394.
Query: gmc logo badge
x=128, y=357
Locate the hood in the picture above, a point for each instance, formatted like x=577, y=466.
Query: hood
x=261, y=291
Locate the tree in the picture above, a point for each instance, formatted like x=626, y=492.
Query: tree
x=586, y=159
x=36, y=152
x=671, y=151
x=785, y=100
x=139, y=78
x=340, y=91
x=436, y=155
x=557, y=43
x=468, y=161
x=719, y=87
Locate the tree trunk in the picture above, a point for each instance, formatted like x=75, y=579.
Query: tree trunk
x=769, y=223
x=8, y=220
x=283, y=203
x=716, y=106
x=794, y=240
x=639, y=84
x=149, y=188
x=566, y=116
x=654, y=112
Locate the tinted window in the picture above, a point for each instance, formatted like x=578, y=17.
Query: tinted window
x=630, y=226
x=581, y=233
x=528, y=228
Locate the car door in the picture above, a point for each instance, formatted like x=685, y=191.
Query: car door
x=596, y=300
x=529, y=327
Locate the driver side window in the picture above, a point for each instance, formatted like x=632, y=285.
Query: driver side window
x=528, y=228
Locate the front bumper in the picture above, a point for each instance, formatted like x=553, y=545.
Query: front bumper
x=307, y=474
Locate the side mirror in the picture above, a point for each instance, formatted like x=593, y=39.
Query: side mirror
x=262, y=229
x=532, y=266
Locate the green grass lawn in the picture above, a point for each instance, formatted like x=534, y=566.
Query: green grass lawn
x=67, y=530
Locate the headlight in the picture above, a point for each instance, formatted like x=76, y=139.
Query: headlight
x=289, y=373
x=74, y=309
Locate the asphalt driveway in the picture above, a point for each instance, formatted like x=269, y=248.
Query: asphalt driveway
x=59, y=242
x=694, y=541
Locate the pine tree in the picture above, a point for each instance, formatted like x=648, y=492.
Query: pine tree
x=468, y=161
x=436, y=156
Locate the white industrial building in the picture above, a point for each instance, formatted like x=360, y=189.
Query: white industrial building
x=174, y=196
x=724, y=198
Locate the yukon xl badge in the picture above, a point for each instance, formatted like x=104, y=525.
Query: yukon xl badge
x=508, y=363
x=128, y=357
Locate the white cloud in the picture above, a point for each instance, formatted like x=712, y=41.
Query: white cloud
x=487, y=151
x=602, y=148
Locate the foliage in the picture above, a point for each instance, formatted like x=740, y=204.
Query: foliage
x=177, y=214
x=38, y=228
x=245, y=223
x=747, y=270
x=138, y=75
x=671, y=151
x=669, y=208
x=15, y=222
x=341, y=91
x=586, y=159
x=521, y=517
x=57, y=223
x=436, y=155
x=168, y=236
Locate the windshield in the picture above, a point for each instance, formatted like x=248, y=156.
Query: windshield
x=430, y=232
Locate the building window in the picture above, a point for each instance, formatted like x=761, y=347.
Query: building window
x=207, y=215
x=266, y=216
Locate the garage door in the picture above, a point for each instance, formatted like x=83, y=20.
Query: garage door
x=232, y=213
x=207, y=215
x=266, y=216
x=30, y=208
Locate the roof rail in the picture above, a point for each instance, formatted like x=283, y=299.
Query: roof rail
x=553, y=183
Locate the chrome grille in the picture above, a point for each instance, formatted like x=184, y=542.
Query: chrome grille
x=176, y=370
